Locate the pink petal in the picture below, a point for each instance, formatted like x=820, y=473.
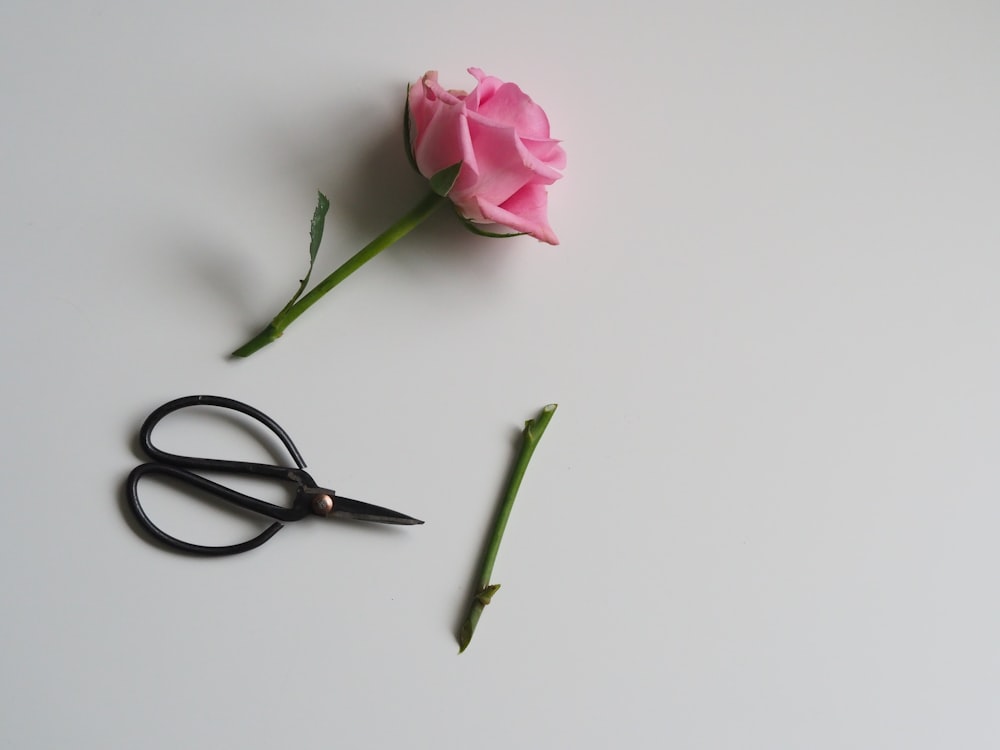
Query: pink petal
x=444, y=140
x=421, y=109
x=486, y=132
x=511, y=106
x=435, y=90
x=547, y=151
x=503, y=165
x=525, y=211
x=487, y=86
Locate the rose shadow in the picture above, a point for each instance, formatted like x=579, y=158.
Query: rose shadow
x=380, y=186
x=356, y=157
x=358, y=160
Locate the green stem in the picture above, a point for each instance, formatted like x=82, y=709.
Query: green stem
x=403, y=226
x=533, y=430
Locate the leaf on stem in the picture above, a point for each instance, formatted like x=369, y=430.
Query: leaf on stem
x=316, y=226
x=315, y=238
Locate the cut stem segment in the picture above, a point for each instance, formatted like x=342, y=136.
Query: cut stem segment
x=533, y=430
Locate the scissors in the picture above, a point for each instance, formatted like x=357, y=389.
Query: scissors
x=309, y=497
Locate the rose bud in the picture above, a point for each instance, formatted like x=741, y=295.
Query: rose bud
x=501, y=137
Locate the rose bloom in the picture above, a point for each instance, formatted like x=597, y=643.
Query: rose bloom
x=502, y=139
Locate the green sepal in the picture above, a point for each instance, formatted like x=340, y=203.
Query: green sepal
x=474, y=228
x=442, y=182
x=408, y=132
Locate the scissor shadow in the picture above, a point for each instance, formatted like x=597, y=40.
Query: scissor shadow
x=472, y=590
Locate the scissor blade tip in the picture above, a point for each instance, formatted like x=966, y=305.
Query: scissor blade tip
x=345, y=507
x=407, y=521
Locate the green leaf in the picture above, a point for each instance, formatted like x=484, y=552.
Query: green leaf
x=408, y=132
x=316, y=228
x=474, y=228
x=444, y=181
x=315, y=238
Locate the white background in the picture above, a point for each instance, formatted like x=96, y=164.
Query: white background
x=765, y=514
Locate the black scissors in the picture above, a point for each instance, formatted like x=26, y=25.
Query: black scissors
x=309, y=497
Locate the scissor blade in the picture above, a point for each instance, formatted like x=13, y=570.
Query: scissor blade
x=344, y=507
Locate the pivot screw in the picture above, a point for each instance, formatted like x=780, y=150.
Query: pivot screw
x=322, y=505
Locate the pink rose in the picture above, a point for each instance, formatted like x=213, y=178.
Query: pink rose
x=487, y=152
x=502, y=139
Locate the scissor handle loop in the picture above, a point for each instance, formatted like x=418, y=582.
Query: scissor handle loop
x=242, y=467
x=178, y=467
x=206, y=484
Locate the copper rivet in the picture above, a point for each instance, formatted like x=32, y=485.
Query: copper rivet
x=322, y=504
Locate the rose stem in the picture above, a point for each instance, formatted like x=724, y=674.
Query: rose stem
x=403, y=226
x=533, y=430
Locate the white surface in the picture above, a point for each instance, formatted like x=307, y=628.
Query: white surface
x=765, y=515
